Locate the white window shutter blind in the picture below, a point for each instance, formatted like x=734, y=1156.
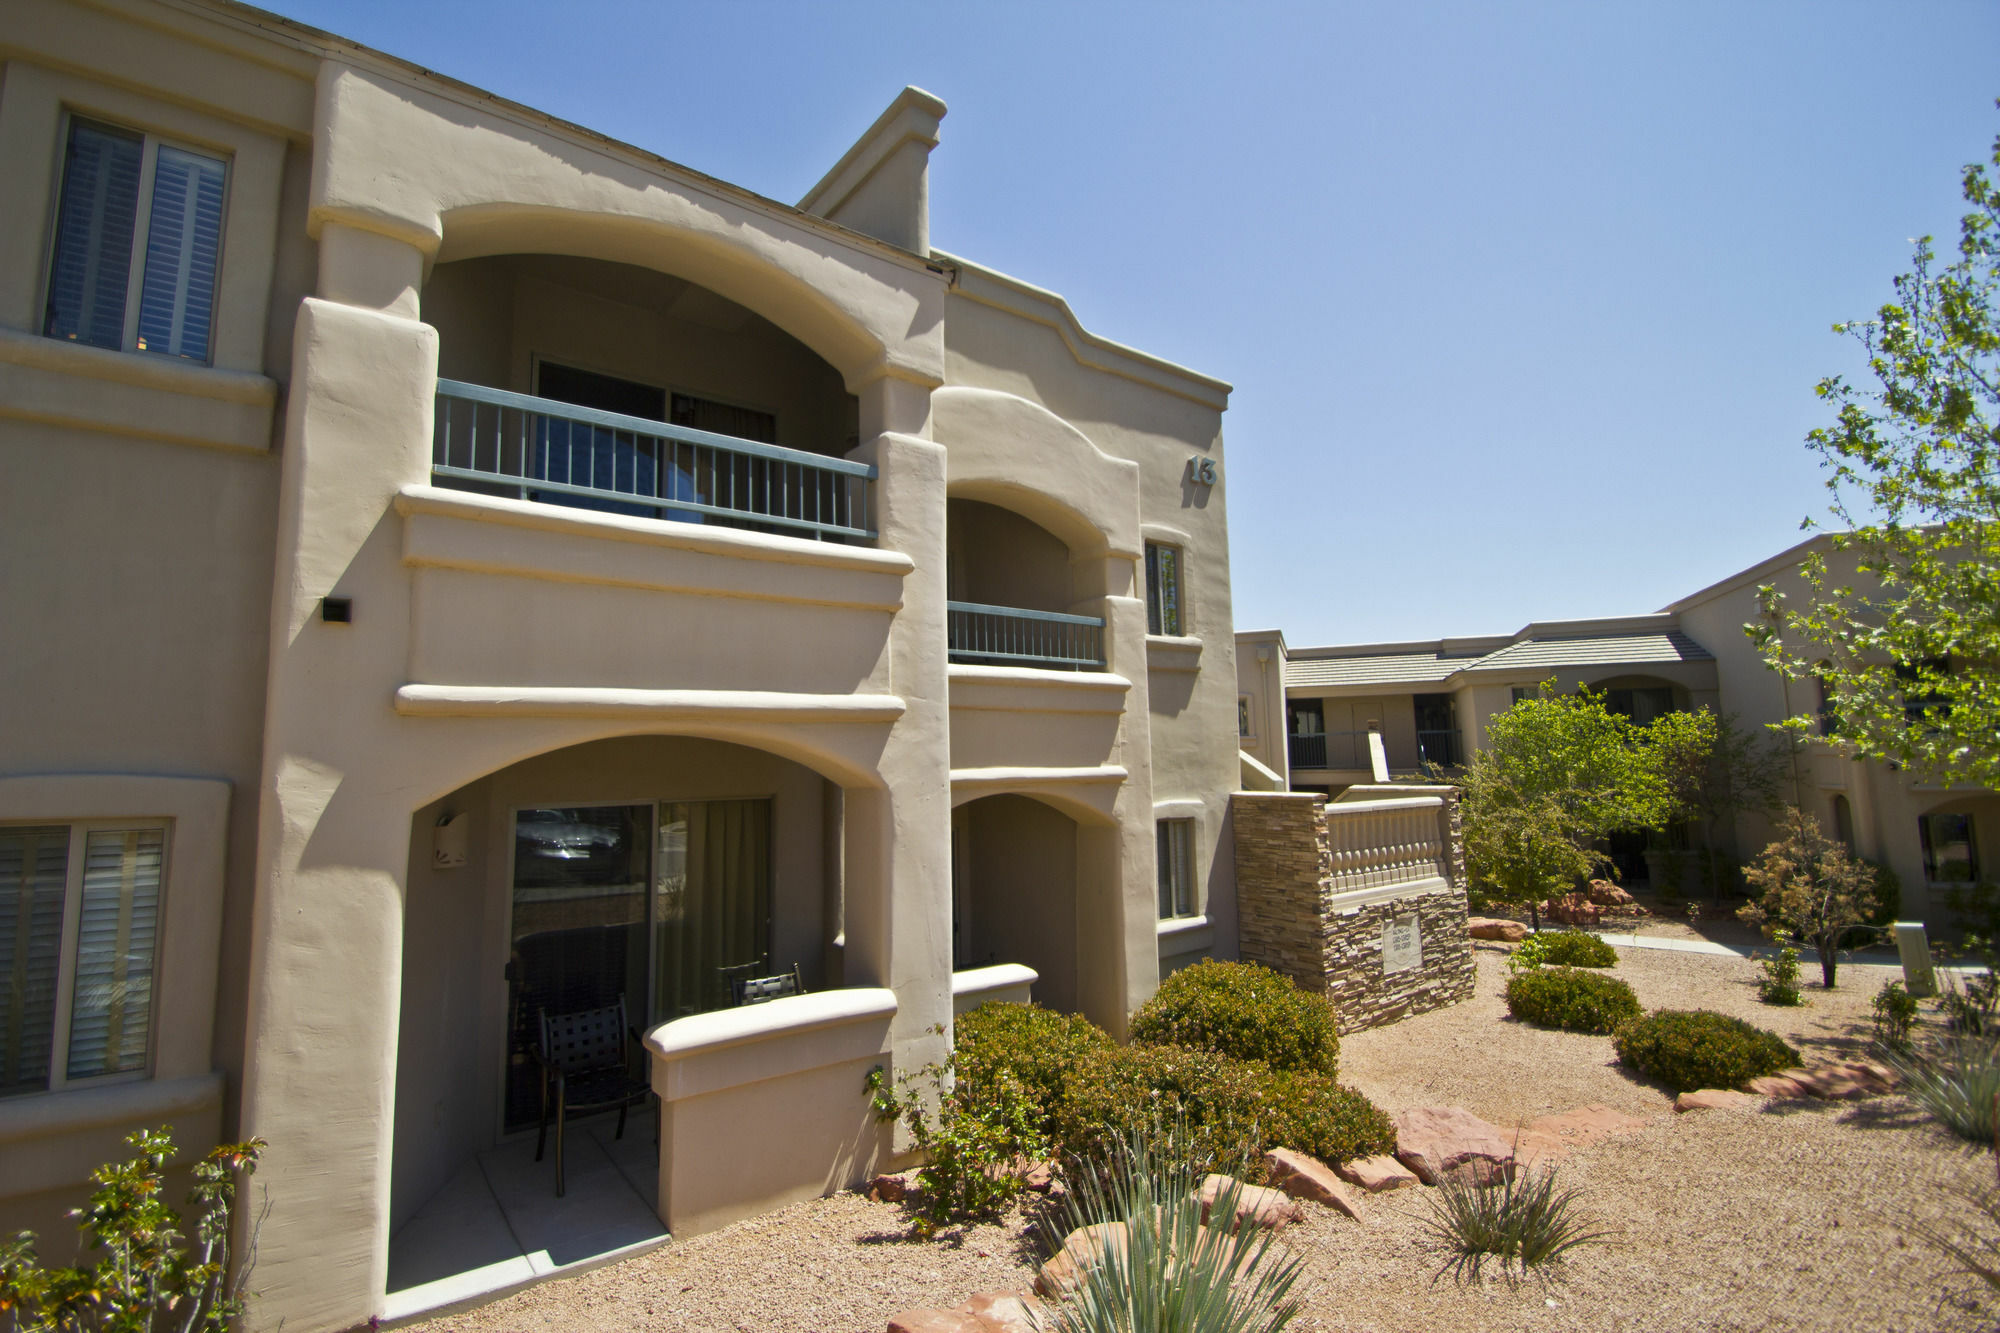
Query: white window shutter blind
x=94, y=222
x=34, y=868
x=111, y=1017
x=183, y=242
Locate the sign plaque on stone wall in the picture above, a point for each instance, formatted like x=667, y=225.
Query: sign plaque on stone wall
x=1402, y=945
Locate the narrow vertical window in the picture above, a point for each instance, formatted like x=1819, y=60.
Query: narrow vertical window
x=183, y=242
x=1950, y=855
x=92, y=265
x=34, y=870
x=111, y=1016
x=1163, y=590
x=1176, y=867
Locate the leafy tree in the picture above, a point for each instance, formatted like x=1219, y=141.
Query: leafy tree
x=1709, y=770
x=1812, y=891
x=1558, y=773
x=1909, y=652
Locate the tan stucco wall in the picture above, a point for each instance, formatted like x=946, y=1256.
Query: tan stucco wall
x=1020, y=892
x=172, y=530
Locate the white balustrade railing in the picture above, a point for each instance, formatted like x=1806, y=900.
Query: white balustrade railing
x=1382, y=844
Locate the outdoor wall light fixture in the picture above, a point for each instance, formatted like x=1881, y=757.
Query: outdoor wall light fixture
x=336, y=610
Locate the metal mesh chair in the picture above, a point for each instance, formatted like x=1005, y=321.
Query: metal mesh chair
x=583, y=1060
x=756, y=990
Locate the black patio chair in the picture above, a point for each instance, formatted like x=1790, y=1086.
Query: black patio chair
x=583, y=1055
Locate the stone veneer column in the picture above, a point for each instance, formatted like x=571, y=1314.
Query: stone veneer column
x=333, y=835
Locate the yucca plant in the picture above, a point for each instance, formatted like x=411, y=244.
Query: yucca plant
x=1957, y=1079
x=1173, y=1274
x=1529, y=1220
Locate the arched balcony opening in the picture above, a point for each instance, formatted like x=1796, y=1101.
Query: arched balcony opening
x=1013, y=596
x=1014, y=893
x=607, y=386
x=668, y=874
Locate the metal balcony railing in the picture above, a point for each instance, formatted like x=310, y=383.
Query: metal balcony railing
x=1009, y=636
x=540, y=449
x=1329, y=749
x=1438, y=747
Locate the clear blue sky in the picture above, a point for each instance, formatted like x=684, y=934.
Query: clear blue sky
x=1523, y=304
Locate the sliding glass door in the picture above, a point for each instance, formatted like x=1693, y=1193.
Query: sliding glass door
x=658, y=904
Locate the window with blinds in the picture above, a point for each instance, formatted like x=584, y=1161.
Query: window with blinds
x=1163, y=590
x=1176, y=867
x=138, y=244
x=79, y=944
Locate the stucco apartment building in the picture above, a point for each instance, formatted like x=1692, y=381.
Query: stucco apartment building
x=464, y=567
x=1306, y=715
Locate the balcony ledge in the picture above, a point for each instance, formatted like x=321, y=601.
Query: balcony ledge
x=1173, y=652
x=1033, y=690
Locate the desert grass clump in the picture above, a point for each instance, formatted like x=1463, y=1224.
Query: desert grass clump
x=1171, y=1274
x=1530, y=1220
x=1957, y=1080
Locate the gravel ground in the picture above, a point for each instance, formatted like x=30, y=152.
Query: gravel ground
x=1793, y=1217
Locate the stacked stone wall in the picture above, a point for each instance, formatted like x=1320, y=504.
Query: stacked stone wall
x=1290, y=920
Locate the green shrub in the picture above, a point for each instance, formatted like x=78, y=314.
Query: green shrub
x=1570, y=998
x=1037, y=1047
x=1231, y=1109
x=1688, y=1049
x=1780, y=983
x=1562, y=948
x=152, y=1274
x=1895, y=1016
x=969, y=1144
x=1528, y=1220
x=1242, y=1011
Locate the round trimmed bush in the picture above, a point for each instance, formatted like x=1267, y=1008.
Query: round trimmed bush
x=1572, y=999
x=1234, y=1109
x=1576, y=948
x=1242, y=1011
x=1688, y=1049
x=1038, y=1047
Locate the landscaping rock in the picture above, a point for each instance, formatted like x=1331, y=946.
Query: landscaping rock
x=935, y=1321
x=1603, y=893
x=1085, y=1248
x=1005, y=1312
x=1777, y=1085
x=1585, y=1125
x=1534, y=1148
x=1376, y=1174
x=1846, y=1080
x=891, y=1188
x=1493, y=928
x=1305, y=1177
x=1254, y=1204
x=1572, y=910
x=1715, y=1099
x=1436, y=1141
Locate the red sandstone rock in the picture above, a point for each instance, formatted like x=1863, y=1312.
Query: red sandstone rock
x=1586, y=1125
x=1376, y=1174
x=935, y=1321
x=1533, y=1147
x=1846, y=1079
x=1604, y=893
x=1085, y=1248
x=1005, y=1312
x=1715, y=1099
x=1305, y=1177
x=1436, y=1141
x=1777, y=1085
x=1494, y=928
x=1254, y=1204
x=1572, y=910
x=891, y=1188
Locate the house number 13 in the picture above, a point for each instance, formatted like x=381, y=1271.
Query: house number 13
x=1201, y=470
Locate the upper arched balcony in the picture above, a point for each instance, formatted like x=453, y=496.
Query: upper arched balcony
x=1012, y=593
x=607, y=386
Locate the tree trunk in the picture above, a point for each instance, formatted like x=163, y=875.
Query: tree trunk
x=1828, y=959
